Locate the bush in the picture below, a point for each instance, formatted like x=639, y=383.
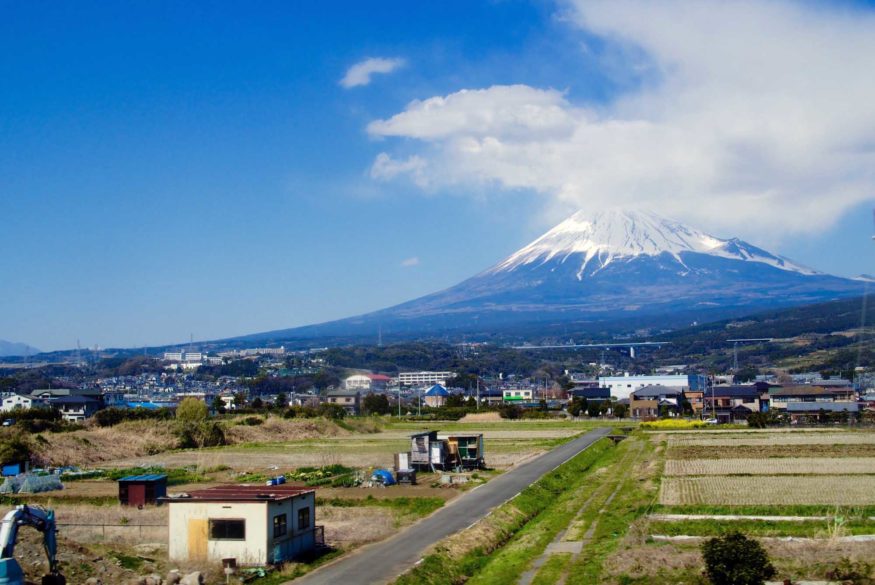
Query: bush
x=332, y=411
x=854, y=572
x=734, y=559
x=510, y=411
x=251, y=421
x=202, y=434
x=14, y=448
x=109, y=417
x=192, y=410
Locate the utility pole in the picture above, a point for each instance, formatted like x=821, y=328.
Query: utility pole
x=399, y=401
x=478, y=392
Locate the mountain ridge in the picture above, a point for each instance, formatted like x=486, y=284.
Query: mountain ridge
x=593, y=268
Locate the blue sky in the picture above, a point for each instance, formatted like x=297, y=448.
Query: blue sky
x=179, y=168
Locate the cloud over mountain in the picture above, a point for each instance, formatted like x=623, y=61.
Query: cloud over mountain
x=748, y=116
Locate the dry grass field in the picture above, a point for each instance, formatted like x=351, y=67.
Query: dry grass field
x=762, y=468
x=769, y=490
x=768, y=439
x=772, y=466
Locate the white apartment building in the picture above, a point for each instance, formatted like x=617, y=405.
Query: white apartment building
x=423, y=378
x=187, y=357
x=622, y=386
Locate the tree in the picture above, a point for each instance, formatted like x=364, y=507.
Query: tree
x=455, y=400
x=577, y=406
x=219, y=404
x=734, y=559
x=376, y=404
x=281, y=400
x=258, y=402
x=192, y=410
x=593, y=408
x=621, y=410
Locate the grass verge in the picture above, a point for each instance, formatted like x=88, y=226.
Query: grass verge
x=459, y=557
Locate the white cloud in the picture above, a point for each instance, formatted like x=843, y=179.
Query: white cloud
x=753, y=117
x=361, y=72
x=386, y=168
x=409, y=262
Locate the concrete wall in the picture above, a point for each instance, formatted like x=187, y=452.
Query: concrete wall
x=189, y=537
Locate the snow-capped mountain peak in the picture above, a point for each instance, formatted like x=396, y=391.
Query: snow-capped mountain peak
x=612, y=235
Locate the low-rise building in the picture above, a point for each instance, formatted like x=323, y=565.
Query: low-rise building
x=423, y=378
x=779, y=397
x=18, y=402
x=733, y=403
x=522, y=395
x=75, y=408
x=255, y=525
x=623, y=386
x=348, y=399
x=646, y=408
x=436, y=396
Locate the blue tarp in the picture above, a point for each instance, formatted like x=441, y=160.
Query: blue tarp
x=383, y=476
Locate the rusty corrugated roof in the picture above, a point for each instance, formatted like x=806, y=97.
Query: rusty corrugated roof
x=241, y=493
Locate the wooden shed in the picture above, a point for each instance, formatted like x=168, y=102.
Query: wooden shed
x=139, y=490
x=465, y=451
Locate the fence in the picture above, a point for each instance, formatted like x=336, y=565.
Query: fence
x=125, y=533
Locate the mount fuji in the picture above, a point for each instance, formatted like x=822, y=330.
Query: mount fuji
x=620, y=266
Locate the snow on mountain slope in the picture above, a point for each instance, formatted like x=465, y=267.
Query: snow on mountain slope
x=621, y=235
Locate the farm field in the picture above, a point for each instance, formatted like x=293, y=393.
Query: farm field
x=827, y=475
x=769, y=490
x=507, y=444
x=642, y=510
x=772, y=466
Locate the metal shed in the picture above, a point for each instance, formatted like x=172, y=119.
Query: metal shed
x=421, y=447
x=139, y=490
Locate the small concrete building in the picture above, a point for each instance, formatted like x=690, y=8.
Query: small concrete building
x=253, y=524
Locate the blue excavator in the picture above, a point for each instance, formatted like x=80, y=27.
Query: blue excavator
x=42, y=520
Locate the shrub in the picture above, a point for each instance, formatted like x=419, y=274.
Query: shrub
x=510, y=411
x=251, y=421
x=201, y=434
x=192, y=410
x=14, y=448
x=109, y=417
x=853, y=572
x=734, y=559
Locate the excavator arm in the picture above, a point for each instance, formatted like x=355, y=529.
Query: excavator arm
x=43, y=521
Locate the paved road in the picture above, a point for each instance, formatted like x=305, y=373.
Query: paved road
x=383, y=561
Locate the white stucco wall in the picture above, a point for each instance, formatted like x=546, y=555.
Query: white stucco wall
x=252, y=551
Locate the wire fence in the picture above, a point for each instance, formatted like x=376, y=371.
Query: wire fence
x=125, y=533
